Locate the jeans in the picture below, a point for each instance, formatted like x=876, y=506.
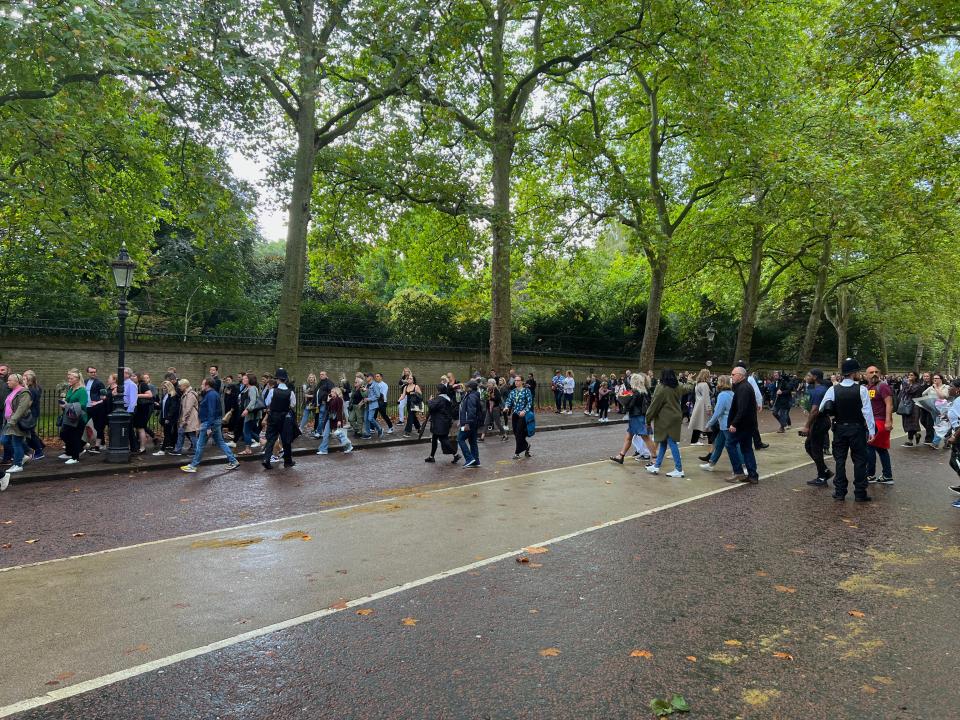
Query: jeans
x=181, y=434
x=306, y=416
x=726, y=440
x=321, y=418
x=568, y=400
x=370, y=422
x=251, y=433
x=674, y=451
x=782, y=415
x=884, y=454
x=216, y=430
x=558, y=396
x=744, y=441
x=341, y=434
x=13, y=444
x=467, y=440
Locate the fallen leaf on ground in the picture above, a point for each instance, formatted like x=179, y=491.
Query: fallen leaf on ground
x=7, y=522
x=550, y=652
x=79, y=535
x=761, y=573
x=142, y=648
x=339, y=604
x=30, y=542
x=75, y=490
x=732, y=643
x=729, y=546
x=341, y=572
x=523, y=559
x=181, y=606
x=869, y=689
x=533, y=611
x=927, y=528
x=883, y=679
x=6, y=546
x=783, y=656
x=365, y=611
x=692, y=658
x=856, y=613
x=536, y=550
x=784, y=589
x=184, y=500
x=409, y=621
x=641, y=653
x=64, y=676
x=536, y=565
x=608, y=482
x=296, y=535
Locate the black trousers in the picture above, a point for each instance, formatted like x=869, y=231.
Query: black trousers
x=955, y=458
x=72, y=440
x=850, y=439
x=412, y=421
x=520, y=433
x=274, y=432
x=169, y=434
x=382, y=412
x=926, y=419
x=816, y=443
x=446, y=445
x=98, y=413
x=757, y=440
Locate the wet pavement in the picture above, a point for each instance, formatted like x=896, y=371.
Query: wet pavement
x=767, y=601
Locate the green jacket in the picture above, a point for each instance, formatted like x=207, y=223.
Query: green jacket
x=665, y=411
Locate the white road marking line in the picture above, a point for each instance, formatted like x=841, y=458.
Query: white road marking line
x=104, y=680
x=290, y=518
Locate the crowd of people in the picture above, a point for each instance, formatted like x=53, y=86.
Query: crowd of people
x=857, y=407
x=259, y=415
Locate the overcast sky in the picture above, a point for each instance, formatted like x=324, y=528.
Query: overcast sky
x=270, y=216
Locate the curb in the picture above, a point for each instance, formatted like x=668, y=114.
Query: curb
x=103, y=468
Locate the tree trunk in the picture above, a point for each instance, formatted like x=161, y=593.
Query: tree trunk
x=287, y=350
x=816, y=310
x=884, y=354
x=501, y=341
x=840, y=319
x=918, y=358
x=751, y=298
x=947, y=349
x=651, y=329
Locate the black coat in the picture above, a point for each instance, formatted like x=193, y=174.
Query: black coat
x=441, y=415
x=471, y=410
x=743, y=411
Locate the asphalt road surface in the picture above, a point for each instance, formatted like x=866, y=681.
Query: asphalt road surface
x=383, y=587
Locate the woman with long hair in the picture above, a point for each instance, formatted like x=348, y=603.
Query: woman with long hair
x=911, y=388
x=701, y=408
x=34, y=442
x=73, y=418
x=16, y=407
x=667, y=417
x=637, y=403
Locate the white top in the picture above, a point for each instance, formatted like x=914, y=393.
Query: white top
x=569, y=385
x=864, y=403
x=756, y=389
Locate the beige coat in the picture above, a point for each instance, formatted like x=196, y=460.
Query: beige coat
x=190, y=411
x=702, y=409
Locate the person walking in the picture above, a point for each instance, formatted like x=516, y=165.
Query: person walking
x=356, y=414
x=494, y=407
x=471, y=415
x=853, y=427
x=639, y=404
x=724, y=439
x=910, y=391
x=405, y=377
x=758, y=442
x=169, y=414
x=211, y=423
x=16, y=409
x=817, y=428
x=702, y=409
x=73, y=417
x=281, y=422
x=743, y=424
x=519, y=403
x=189, y=423
x=97, y=408
x=937, y=392
x=130, y=391
x=411, y=397
x=309, y=390
x=666, y=415
x=881, y=404
x=251, y=410
x=782, y=399
x=32, y=438
x=371, y=403
x=381, y=410
x=440, y=415
x=333, y=423
x=556, y=384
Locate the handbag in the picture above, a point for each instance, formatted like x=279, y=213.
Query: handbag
x=905, y=406
x=531, y=423
x=27, y=423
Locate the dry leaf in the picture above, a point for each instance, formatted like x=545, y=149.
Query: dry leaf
x=927, y=528
x=7, y=522
x=761, y=573
x=142, y=647
x=533, y=611
x=536, y=550
x=883, y=679
x=536, y=565
x=692, y=658
x=79, y=535
x=641, y=653
x=341, y=572
x=64, y=676
x=340, y=604
x=732, y=643
x=869, y=689
x=608, y=482
x=409, y=621
x=296, y=535
x=523, y=559
x=784, y=589
x=6, y=546
x=783, y=656
x=29, y=542
x=728, y=546
x=365, y=611
x=856, y=613
x=550, y=652
x=184, y=500
x=181, y=606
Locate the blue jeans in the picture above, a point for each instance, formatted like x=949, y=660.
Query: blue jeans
x=467, y=440
x=341, y=434
x=215, y=429
x=321, y=418
x=884, y=454
x=745, y=441
x=782, y=415
x=251, y=433
x=726, y=440
x=674, y=451
x=306, y=416
x=370, y=422
x=13, y=444
x=181, y=436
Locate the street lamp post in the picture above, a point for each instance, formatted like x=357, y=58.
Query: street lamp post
x=119, y=450
x=711, y=334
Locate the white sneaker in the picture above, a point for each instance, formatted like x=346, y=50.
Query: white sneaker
x=675, y=474
x=707, y=466
x=4, y=481
x=158, y=453
x=322, y=452
x=274, y=458
x=63, y=456
x=389, y=431
x=71, y=461
x=230, y=444
x=15, y=468
x=653, y=469
x=348, y=449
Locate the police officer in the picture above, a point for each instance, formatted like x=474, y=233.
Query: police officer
x=281, y=420
x=853, y=428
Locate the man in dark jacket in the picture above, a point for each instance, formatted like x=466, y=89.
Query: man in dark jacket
x=471, y=415
x=324, y=386
x=211, y=422
x=743, y=423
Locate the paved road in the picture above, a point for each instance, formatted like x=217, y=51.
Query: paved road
x=729, y=579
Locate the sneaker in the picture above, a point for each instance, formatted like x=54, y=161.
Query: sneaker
x=189, y=468
x=159, y=453
x=863, y=498
x=736, y=478
x=389, y=431
x=231, y=444
x=619, y=460
x=274, y=458
x=348, y=449
x=366, y=437
x=885, y=481
x=4, y=481
x=175, y=454
x=289, y=464
x=39, y=455
x=955, y=503
x=839, y=498
x=322, y=452
x=234, y=465
x=817, y=482
x=456, y=459
x=707, y=466
x=704, y=458
x=316, y=435
x=517, y=456
x=406, y=435
x=763, y=446
x=653, y=469
x=63, y=456
x=675, y=474
x=430, y=459
x=472, y=463
x=871, y=479
x=15, y=468
x=71, y=461
x=907, y=444
x=954, y=488
x=526, y=453
x=93, y=451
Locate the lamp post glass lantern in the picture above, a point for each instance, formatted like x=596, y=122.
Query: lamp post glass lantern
x=711, y=334
x=119, y=449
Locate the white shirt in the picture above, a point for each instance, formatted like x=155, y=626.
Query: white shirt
x=569, y=385
x=756, y=390
x=864, y=403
